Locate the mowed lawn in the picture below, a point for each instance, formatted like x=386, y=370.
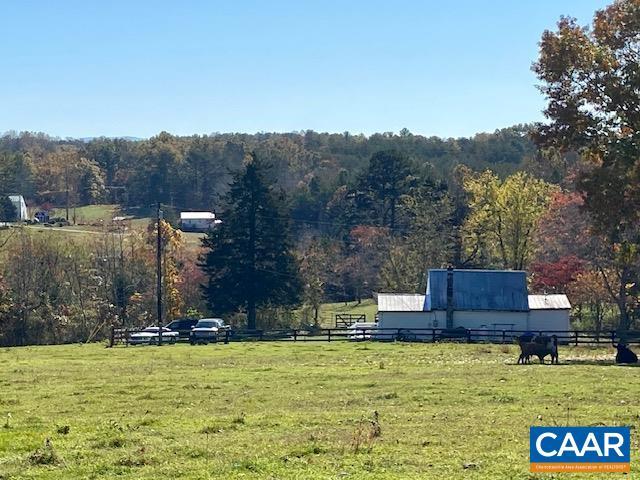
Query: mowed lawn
x=299, y=411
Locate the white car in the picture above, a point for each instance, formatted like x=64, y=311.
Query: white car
x=207, y=330
x=362, y=330
x=150, y=335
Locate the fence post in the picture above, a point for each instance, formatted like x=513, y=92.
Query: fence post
x=329, y=335
x=433, y=335
x=613, y=337
x=504, y=337
x=576, y=335
x=261, y=332
x=226, y=336
x=468, y=335
x=112, y=339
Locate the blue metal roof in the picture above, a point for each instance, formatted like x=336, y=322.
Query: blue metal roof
x=502, y=290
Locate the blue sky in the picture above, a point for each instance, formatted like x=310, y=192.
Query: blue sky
x=88, y=68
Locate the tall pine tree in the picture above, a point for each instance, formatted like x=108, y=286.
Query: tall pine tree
x=248, y=259
x=8, y=211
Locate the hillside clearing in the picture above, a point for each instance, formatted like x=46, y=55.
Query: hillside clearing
x=276, y=410
x=89, y=213
x=328, y=311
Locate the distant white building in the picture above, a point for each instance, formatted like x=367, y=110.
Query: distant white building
x=198, y=221
x=21, y=207
x=492, y=300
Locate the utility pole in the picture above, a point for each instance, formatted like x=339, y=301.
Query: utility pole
x=159, y=272
x=66, y=181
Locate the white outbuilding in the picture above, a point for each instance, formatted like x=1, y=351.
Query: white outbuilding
x=198, y=221
x=487, y=300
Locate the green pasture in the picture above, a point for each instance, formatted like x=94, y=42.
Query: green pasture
x=89, y=213
x=296, y=411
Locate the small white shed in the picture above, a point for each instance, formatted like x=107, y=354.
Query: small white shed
x=549, y=312
x=197, y=221
x=400, y=310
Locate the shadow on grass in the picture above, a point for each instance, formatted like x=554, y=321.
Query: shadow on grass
x=597, y=362
x=138, y=212
x=568, y=362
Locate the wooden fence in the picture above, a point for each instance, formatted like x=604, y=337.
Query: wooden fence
x=572, y=337
x=345, y=320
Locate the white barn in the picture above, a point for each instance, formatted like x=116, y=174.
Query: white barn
x=21, y=207
x=489, y=300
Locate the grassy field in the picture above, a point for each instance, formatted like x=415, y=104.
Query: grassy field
x=89, y=213
x=328, y=310
x=91, y=220
x=296, y=411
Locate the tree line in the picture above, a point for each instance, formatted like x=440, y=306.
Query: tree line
x=195, y=171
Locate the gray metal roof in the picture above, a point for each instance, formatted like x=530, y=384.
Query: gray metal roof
x=396, y=302
x=501, y=290
x=549, y=302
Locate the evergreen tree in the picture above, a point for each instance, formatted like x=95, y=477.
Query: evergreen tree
x=388, y=178
x=248, y=262
x=8, y=212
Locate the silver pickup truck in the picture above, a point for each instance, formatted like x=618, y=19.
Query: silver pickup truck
x=208, y=330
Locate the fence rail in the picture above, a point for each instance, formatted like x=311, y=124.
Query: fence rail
x=425, y=335
x=345, y=320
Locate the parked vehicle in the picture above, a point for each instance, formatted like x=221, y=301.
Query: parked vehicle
x=57, y=222
x=453, y=334
x=150, y=335
x=41, y=216
x=207, y=330
x=362, y=330
x=183, y=326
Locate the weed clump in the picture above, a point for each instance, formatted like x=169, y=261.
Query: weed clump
x=218, y=428
x=132, y=461
x=247, y=465
x=136, y=460
x=63, y=429
x=239, y=420
x=46, y=455
x=211, y=429
x=115, y=441
x=366, y=433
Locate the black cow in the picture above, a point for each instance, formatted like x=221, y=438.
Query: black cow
x=540, y=346
x=625, y=355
